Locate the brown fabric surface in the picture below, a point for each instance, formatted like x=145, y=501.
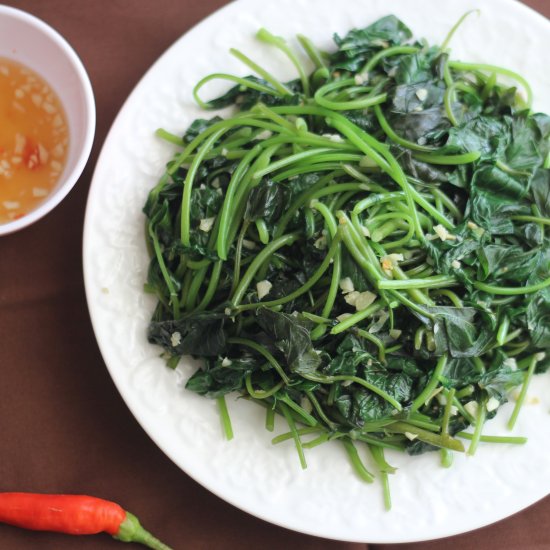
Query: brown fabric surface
x=63, y=425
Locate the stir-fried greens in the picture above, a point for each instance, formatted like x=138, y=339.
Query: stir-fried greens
x=363, y=250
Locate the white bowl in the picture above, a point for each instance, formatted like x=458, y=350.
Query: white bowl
x=28, y=40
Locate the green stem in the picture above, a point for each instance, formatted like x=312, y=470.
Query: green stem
x=325, y=379
x=194, y=288
x=455, y=300
x=357, y=317
x=225, y=418
x=336, y=268
x=354, y=104
x=311, y=50
x=465, y=158
x=494, y=438
x=263, y=233
x=291, y=159
x=301, y=412
x=535, y=219
x=301, y=431
x=358, y=465
x=448, y=203
x=446, y=458
x=270, y=419
x=262, y=351
x=260, y=394
x=333, y=250
x=244, y=82
x=523, y=392
x=430, y=386
x=480, y=421
x=444, y=441
x=238, y=257
x=437, y=281
x=212, y=286
x=461, y=66
x=447, y=412
x=455, y=27
x=265, y=36
x=379, y=198
x=174, y=300
x=388, y=52
x=130, y=530
x=281, y=88
x=385, y=469
x=317, y=406
x=188, y=186
x=376, y=341
x=266, y=252
x=169, y=137
x=512, y=291
x=503, y=330
x=396, y=138
x=295, y=434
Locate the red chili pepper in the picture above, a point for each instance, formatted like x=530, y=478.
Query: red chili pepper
x=74, y=515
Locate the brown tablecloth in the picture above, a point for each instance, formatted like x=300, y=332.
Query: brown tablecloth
x=63, y=425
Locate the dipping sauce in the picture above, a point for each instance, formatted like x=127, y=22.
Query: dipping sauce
x=34, y=139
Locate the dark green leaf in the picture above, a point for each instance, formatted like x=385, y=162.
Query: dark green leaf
x=540, y=187
x=200, y=334
x=527, y=148
x=507, y=263
x=246, y=98
x=498, y=382
x=205, y=203
x=290, y=335
x=265, y=201
x=214, y=380
x=359, y=44
x=538, y=319
x=462, y=332
x=460, y=371
x=492, y=211
x=408, y=98
x=419, y=126
x=486, y=135
x=198, y=126
x=354, y=272
x=414, y=69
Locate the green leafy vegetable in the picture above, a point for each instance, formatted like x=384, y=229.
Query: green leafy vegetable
x=363, y=250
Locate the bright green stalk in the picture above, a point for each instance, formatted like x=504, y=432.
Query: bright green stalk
x=226, y=420
x=426, y=393
x=265, y=36
x=523, y=392
x=262, y=351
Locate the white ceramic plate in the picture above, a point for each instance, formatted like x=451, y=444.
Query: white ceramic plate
x=327, y=499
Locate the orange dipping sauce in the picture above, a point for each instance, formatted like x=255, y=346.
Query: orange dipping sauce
x=34, y=140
